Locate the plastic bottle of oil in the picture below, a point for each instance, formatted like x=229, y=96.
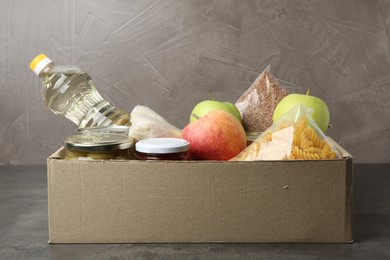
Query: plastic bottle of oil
x=70, y=92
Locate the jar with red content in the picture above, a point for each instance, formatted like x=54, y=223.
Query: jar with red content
x=172, y=149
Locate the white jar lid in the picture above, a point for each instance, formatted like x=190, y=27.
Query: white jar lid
x=162, y=145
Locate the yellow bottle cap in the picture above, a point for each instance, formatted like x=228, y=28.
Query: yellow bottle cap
x=39, y=62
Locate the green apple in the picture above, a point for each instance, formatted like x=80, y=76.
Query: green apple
x=320, y=109
x=206, y=106
x=233, y=110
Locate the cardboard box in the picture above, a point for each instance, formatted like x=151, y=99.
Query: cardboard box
x=206, y=201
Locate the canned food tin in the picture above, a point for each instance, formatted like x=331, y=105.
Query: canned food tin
x=98, y=146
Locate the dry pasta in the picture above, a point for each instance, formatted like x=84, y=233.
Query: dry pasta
x=307, y=143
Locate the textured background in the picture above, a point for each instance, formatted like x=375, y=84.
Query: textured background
x=168, y=54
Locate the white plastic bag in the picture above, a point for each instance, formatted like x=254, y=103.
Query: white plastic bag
x=145, y=123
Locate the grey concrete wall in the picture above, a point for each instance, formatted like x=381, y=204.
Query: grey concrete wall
x=168, y=54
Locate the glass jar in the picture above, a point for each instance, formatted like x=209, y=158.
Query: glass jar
x=98, y=146
x=172, y=149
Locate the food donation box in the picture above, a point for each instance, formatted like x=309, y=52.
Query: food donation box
x=133, y=201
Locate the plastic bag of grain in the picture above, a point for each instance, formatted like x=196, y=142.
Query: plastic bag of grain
x=258, y=102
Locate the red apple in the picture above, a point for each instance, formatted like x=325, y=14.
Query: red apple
x=216, y=136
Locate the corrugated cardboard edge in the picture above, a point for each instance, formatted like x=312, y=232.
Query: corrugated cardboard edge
x=57, y=155
x=349, y=189
x=48, y=190
x=343, y=152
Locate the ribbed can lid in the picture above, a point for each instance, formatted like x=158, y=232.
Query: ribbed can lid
x=162, y=145
x=39, y=62
x=97, y=142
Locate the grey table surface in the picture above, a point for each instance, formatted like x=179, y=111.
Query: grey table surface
x=24, y=230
